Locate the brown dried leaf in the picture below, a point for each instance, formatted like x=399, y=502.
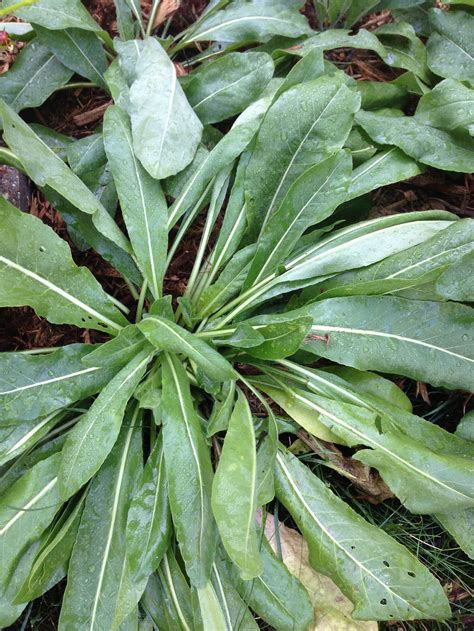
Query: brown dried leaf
x=331, y=608
x=166, y=8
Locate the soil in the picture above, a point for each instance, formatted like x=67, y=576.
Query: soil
x=79, y=112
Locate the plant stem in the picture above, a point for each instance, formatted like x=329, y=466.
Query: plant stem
x=131, y=288
x=152, y=17
x=16, y=6
x=9, y=158
x=77, y=84
x=141, y=301
x=119, y=304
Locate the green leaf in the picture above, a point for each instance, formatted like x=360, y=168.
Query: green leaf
x=141, y=199
x=373, y=98
x=42, y=274
x=86, y=155
x=276, y=595
x=125, y=23
x=32, y=386
x=18, y=438
x=34, y=76
x=449, y=105
x=168, y=336
x=78, y=50
x=26, y=509
x=45, y=168
x=56, y=14
x=234, y=491
x=386, y=167
x=312, y=121
x=281, y=339
x=149, y=520
x=189, y=473
x=211, y=612
x=456, y=282
x=404, y=49
x=237, y=614
x=9, y=610
x=226, y=86
x=459, y=524
x=166, y=131
x=98, y=561
x=90, y=442
x=118, y=351
x=52, y=560
x=428, y=341
x=339, y=38
x=437, y=148
x=383, y=580
x=309, y=200
x=450, y=48
x=252, y=21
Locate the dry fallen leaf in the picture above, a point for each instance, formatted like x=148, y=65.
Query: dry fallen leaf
x=331, y=608
x=166, y=8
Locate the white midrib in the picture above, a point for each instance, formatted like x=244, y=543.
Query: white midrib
x=144, y=208
x=335, y=542
x=373, y=443
x=179, y=202
x=401, y=338
x=168, y=113
x=155, y=500
x=113, y=518
x=294, y=156
x=87, y=152
x=230, y=22
x=28, y=506
x=253, y=488
x=32, y=78
x=223, y=598
x=294, y=221
x=431, y=258
x=194, y=452
x=226, y=87
x=31, y=433
x=369, y=167
x=87, y=59
x=174, y=596
x=46, y=382
x=192, y=350
x=57, y=290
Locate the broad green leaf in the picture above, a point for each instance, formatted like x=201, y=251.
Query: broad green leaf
x=37, y=270
x=9, y=610
x=34, y=76
x=78, y=50
x=449, y=105
x=52, y=560
x=281, y=339
x=226, y=86
x=428, y=341
x=237, y=614
x=435, y=147
x=234, y=492
x=222, y=409
x=450, y=48
x=404, y=49
x=142, y=202
x=310, y=67
x=166, y=131
x=310, y=199
x=91, y=440
x=339, y=38
x=86, y=155
x=252, y=21
x=56, y=14
x=276, y=595
x=45, y=168
x=312, y=121
x=15, y=439
x=456, y=282
x=380, y=576
x=168, y=336
x=149, y=521
x=460, y=525
x=98, y=561
x=53, y=139
x=26, y=509
x=373, y=98
x=386, y=167
x=118, y=351
x=445, y=248
x=189, y=473
x=125, y=23
x=32, y=386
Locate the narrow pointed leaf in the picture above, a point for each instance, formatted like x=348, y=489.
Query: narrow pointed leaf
x=141, y=199
x=237, y=614
x=234, y=492
x=56, y=14
x=92, y=439
x=189, y=473
x=383, y=579
x=42, y=274
x=168, y=336
x=98, y=559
